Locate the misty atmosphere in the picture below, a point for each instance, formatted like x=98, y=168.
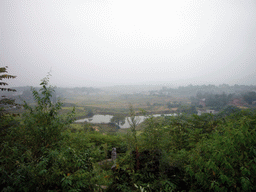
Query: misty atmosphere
x=127, y=95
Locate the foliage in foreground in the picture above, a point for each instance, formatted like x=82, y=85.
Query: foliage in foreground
x=34, y=156
x=5, y=118
x=183, y=153
x=226, y=161
x=192, y=153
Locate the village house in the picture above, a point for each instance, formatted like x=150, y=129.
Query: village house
x=200, y=112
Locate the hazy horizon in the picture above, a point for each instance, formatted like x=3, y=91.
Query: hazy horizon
x=150, y=86
x=113, y=42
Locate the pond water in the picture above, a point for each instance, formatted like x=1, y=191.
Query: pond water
x=107, y=118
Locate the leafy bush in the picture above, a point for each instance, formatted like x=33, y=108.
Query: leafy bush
x=34, y=155
x=226, y=160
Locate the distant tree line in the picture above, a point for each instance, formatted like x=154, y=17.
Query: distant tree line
x=215, y=101
x=25, y=93
x=250, y=97
x=192, y=90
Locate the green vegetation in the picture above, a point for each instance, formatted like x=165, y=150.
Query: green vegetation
x=35, y=155
x=214, y=101
x=226, y=160
x=118, y=119
x=6, y=118
x=249, y=97
x=43, y=150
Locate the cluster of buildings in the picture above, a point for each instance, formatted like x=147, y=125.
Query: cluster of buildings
x=238, y=102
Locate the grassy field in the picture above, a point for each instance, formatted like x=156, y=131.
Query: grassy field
x=111, y=104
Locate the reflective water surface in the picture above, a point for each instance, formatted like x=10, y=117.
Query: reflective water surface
x=107, y=118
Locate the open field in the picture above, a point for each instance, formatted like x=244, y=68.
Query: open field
x=114, y=104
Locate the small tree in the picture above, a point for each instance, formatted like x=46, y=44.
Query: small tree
x=35, y=155
x=5, y=76
x=4, y=100
x=133, y=122
x=42, y=122
x=6, y=120
x=118, y=119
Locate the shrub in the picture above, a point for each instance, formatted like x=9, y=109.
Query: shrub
x=35, y=156
x=226, y=160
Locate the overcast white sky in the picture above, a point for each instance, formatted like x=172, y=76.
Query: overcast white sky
x=113, y=42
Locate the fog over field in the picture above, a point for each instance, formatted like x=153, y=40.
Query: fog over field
x=115, y=42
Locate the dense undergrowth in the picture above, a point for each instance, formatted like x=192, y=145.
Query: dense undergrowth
x=40, y=152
